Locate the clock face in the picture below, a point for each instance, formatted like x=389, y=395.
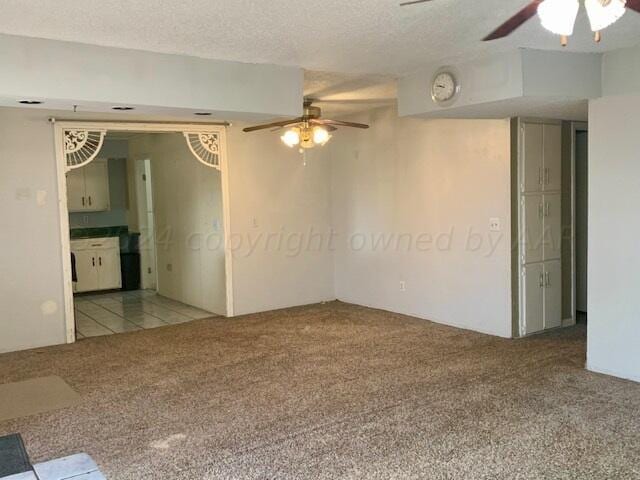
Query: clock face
x=444, y=87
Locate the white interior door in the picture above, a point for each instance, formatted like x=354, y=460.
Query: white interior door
x=532, y=157
x=533, y=228
x=552, y=226
x=75, y=190
x=109, y=273
x=552, y=157
x=96, y=178
x=533, y=302
x=553, y=294
x=86, y=263
x=144, y=197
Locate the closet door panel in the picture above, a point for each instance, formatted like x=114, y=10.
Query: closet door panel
x=552, y=172
x=533, y=302
x=532, y=228
x=553, y=294
x=552, y=248
x=532, y=153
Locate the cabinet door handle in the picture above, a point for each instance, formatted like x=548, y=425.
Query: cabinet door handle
x=540, y=210
x=541, y=282
x=540, y=175
x=547, y=279
x=89, y=200
x=93, y=261
x=83, y=201
x=546, y=176
x=100, y=261
x=546, y=209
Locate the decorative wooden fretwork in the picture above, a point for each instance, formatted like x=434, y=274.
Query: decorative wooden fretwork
x=205, y=147
x=82, y=146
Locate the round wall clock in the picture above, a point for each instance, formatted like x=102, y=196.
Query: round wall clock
x=444, y=87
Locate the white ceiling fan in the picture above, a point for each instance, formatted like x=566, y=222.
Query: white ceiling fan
x=559, y=16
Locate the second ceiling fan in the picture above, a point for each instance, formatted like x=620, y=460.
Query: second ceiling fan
x=559, y=16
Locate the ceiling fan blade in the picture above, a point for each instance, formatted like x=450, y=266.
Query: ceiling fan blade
x=340, y=123
x=413, y=2
x=282, y=123
x=634, y=5
x=321, y=123
x=514, y=22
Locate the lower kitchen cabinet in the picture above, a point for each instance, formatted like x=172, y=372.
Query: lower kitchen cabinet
x=97, y=264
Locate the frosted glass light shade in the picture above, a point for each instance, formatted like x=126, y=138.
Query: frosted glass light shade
x=559, y=16
x=601, y=14
x=291, y=138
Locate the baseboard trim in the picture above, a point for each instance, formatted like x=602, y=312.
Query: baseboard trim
x=611, y=373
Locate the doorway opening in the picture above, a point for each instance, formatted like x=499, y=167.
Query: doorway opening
x=581, y=189
x=145, y=230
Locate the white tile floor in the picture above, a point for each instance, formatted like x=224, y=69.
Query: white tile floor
x=118, y=312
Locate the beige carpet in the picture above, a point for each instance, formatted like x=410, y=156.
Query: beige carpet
x=333, y=391
x=33, y=396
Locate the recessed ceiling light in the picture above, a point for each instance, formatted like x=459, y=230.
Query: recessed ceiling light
x=30, y=102
x=203, y=114
x=122, y=108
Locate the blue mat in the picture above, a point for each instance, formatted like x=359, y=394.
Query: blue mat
x=13, y=456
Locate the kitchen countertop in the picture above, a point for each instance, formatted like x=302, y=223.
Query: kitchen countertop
x=98, y=232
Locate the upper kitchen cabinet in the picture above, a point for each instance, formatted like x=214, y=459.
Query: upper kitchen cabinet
x=88, y=187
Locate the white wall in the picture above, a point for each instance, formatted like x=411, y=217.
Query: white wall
x=187, y=206
x=614, y=229
x=509, y=84
x=30, y=260
x=438, y=179
x=279, y=207
x=621, y=71
x=96, y=78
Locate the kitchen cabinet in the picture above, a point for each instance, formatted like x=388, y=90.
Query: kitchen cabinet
x=88, y=187
x=97, y=264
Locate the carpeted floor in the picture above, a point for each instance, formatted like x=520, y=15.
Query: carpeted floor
x=333, y=391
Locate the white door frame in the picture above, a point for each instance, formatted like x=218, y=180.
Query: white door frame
x=575, y=128
x=150, y=127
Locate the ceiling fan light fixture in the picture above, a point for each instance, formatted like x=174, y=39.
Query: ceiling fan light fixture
x=603, y=13
x=291, y=137
x=320, y=136
x=559, y=16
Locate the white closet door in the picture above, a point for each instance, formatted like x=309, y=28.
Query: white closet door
x=552, y=157
x=552, y=226
x=86, y=268
x=75, y=190
x=532, y=157
x=96, y=177
x=109, y=273
x=533, y=302
x=533, y=228
x=553, y=294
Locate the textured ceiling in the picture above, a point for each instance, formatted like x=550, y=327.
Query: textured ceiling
x=358, y=36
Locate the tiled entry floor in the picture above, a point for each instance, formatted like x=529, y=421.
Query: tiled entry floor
x=118, y=312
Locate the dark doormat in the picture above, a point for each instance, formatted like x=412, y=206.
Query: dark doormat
x=13, y=456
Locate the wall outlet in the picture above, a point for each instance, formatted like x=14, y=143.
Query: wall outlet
x=169, y=267
x=495, y=224
x=403, y=286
